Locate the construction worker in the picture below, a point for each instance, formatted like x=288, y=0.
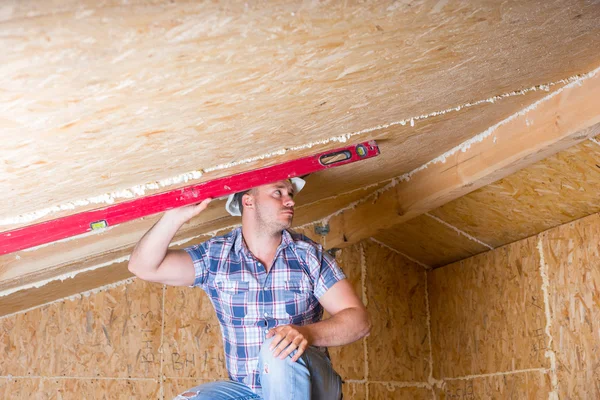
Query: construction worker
x=269, y=287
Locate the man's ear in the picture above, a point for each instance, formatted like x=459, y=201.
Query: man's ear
x=248, y=200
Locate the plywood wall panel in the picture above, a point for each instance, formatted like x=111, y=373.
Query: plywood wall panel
x=349, y=360
x=354, y=391
x=572, y=256
x=65, y=388
x=535, y=385
x=115, y=333
x=383, y=391
x=114, y=84
x=59, y=289
x=309, y=208
x=397, y=345
x=487, y=313
x=192, y=344
x=552, y=192
x=429, y=241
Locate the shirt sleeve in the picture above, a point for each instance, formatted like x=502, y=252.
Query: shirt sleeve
x=199, y=255
x=329, y=273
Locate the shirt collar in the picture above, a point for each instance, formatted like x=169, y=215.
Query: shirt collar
x=238, y=241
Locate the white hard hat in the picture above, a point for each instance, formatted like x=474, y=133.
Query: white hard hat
x=232, y=207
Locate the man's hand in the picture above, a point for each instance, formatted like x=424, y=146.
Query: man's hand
x=287, y=338
x=185, y=213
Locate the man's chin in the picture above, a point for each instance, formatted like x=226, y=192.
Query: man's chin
x=287, y=222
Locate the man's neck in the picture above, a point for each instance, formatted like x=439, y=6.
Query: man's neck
x=261, y=244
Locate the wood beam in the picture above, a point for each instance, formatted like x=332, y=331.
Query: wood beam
x=556, y=122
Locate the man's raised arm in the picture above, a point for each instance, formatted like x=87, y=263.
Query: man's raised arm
x=152, y=260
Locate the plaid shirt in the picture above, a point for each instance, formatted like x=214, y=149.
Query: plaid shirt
x=249, y=301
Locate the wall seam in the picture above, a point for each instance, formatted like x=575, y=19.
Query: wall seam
x=94, y=378
x=459, y=231
x=363, y=278
x=399, y=384
x=427, y=267
x=515, y=372
x=550, y=354
x=430, y=379
x=73, y=297
x=160, y=350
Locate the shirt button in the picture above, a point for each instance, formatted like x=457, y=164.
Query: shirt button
x=266, y=331
x=266, y=314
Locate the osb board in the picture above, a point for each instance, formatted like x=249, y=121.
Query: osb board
x=389, y=391
x=554, y=191
x=402, y=149
x=397, y=346
x=115, y=84
x=309, y=209
x=349, y=360
x=114, y=333
x=429, y=241
x=572, y=256
x=59, y=289
x=63, y=257
x=192, y=344
x=89, y=248
x=405, y=147
x=487, y=313
x=65, y=388
x=534, y=385
x=354, y=391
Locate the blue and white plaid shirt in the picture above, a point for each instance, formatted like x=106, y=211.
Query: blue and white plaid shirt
x=249, y=301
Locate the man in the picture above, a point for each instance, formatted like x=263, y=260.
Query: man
x=269, y=288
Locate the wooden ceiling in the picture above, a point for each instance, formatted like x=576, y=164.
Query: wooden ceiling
x=551, y=192
x=99, y=98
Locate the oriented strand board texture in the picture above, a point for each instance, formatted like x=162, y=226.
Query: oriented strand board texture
x=138, y=91
x=534, y=385
x=168, y=338
x=115, y=333
x=349, y=360
x=192, y=344
x=382, y=391
x=84, y=389
x=572, y=256
x=58, y=289
x=397, y=346
x=430, y=242
x=354, y=391
x=487, y=313
x=552, y=192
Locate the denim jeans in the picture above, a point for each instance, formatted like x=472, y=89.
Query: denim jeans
x=310, y=378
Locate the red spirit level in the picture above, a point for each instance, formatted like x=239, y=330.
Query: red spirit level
x=76, y=224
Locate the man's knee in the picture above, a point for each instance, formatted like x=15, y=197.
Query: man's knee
x=271, y=365
x=266, y=354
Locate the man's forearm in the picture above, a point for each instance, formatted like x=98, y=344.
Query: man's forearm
x=345, y=327
x=151, y=250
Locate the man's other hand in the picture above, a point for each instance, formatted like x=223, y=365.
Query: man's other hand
x=286, y=339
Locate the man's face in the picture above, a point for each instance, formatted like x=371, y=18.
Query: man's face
x=274, y=205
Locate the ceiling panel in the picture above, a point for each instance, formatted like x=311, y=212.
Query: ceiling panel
x=96, y=99
x=552, y=192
